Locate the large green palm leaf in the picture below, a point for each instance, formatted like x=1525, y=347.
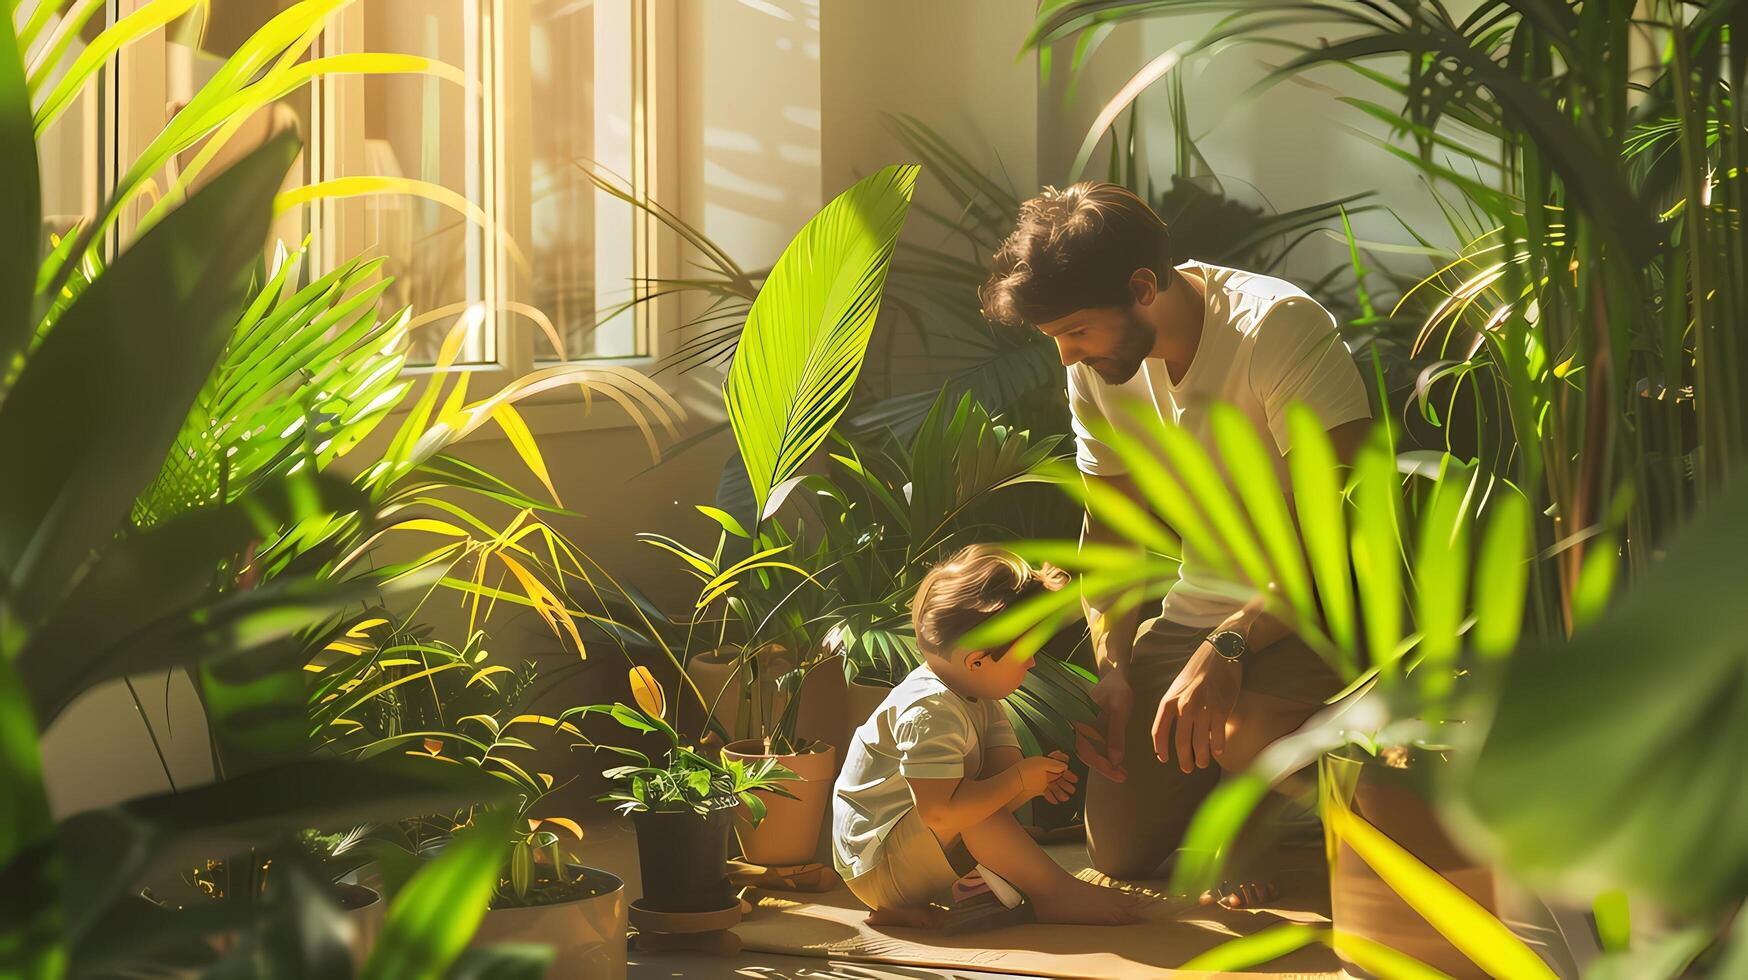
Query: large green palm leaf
x=806, y=336
x=307, y=374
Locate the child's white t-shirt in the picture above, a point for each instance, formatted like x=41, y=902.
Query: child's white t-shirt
x=922, y=730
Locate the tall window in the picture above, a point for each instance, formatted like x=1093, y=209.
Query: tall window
x=552, y=92
x=489, y=202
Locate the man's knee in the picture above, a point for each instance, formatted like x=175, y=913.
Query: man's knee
x=1125, y=859
x=1257, y=722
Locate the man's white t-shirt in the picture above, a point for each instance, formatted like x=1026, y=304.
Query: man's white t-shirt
x=1265, y=344
x=922, y=730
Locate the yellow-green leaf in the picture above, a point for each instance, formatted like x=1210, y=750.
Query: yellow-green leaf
x=1460, y=919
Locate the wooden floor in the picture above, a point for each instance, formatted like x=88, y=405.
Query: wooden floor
x=778, y=929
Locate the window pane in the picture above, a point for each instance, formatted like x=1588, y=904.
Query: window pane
x=573, y=82
x=68, y=158
x=430, y=130
x=193, y=54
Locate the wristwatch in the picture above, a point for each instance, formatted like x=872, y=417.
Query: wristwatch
x=1228, y=644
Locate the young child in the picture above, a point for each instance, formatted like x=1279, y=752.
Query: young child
x=937, y=771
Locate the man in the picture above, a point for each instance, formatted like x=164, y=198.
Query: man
x=1209, y=682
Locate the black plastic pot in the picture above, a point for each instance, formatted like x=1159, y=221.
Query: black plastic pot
x=684, y=859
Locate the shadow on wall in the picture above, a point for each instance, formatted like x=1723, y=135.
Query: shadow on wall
x=749, y=82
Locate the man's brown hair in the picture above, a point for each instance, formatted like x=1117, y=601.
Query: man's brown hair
x=1075, y=249
x=977, y=582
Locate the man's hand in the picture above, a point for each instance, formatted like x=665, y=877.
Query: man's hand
x=1115, y=700
x=1039, y=773
x=1200, y=701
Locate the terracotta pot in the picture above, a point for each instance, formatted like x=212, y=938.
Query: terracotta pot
x=864, y=698
x=587, y=934
x=824, y=712
x=723, y=684
x=789, y=834
x=1389, y=795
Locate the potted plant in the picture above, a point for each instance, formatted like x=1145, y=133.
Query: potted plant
x=467, y=710
x=329, y=861
x=681, y=807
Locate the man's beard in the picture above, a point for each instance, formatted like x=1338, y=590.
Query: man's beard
x=1132, y=349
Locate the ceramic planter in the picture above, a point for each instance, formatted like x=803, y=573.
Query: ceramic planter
x=587, y=934
x=683, y=857
x=789, y=834
x=1390, y=796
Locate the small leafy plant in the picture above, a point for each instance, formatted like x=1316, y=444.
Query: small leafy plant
x=687, y=780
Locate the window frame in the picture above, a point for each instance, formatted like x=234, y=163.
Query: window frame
x=139, y=82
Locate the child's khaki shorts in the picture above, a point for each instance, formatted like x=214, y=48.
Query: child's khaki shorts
x=914, y=869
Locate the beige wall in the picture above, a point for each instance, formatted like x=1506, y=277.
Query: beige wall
x=950, y=64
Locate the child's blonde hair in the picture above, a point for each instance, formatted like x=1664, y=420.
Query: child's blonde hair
x=977, y=582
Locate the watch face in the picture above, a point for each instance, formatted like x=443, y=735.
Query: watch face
x=1228, y=644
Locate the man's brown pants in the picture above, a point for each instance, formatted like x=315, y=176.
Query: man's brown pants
x=1132, y=827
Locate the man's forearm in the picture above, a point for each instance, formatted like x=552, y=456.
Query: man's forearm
x=1113, y=636
x=1258, y=628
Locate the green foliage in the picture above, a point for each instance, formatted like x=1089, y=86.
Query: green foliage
x=1592, y=154
x=1630, y=779
x=436, y=914
x=387, y=688
x=808, y=330
x=1390, y=538
x=684, y=780
x=85, y=597
x=21, y=210
x=305, y=376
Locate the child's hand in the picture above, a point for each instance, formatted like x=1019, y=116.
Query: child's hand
x=1062, y=786
x=1039, y=773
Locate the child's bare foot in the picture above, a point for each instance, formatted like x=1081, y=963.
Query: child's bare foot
x=926, y=917
x=1084, y=903
x=1241, y=895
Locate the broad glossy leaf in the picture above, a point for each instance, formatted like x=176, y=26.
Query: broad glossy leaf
x=1253, y=472
x=146, y=600
x=1631, y=779
x=1377, y=550
x=1317, y=483
x=146, y=335
x=1254, y=950
x=1441, y=582
x=802, y=347
x=1502, y=575
x=20, y=206
x=31, y=939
